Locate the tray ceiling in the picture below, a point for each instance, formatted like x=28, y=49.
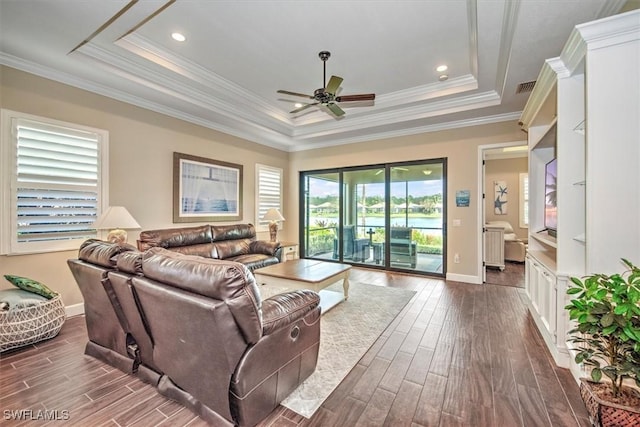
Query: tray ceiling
x=237, y=54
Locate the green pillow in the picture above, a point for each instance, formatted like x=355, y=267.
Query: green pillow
x=30, y=285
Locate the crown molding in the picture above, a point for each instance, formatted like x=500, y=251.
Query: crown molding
x=476, y=121
x=544, y=85
x=194, y=72
x=509, y=24
x=415, y=112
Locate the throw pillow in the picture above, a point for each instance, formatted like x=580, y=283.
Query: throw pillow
x=31, y=285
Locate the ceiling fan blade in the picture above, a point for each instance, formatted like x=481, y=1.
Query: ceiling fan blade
x=286, y=92
x=333, y=85
x=304, y=107
x=360, y=97
x=337, y=111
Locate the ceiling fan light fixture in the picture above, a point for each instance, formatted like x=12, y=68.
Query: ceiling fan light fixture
x=325, y=97
x=427, y=171
x=179, y=37
x=443, y=77
x=297, y=105
x=442, y=68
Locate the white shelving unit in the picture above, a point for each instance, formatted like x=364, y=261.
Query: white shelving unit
x=584, y=112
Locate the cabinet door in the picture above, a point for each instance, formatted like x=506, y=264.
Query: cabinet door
x=547, y=299
x=529, y=275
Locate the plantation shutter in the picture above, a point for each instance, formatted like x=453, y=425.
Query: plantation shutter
x=524, y=200
x=57, y=182
x=269, y=192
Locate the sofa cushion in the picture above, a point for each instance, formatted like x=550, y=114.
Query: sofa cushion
x=30, y=285
x=207, y=250
x=255, y=261
x=264, y=247
x=233, y=232
x=130, y=262
x=232, y=248
x=174, y=237
x=102, y=253
x=223, y=280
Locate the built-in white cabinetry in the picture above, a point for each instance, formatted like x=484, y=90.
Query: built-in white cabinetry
x=583, y=112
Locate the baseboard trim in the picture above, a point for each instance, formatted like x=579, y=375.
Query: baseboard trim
x=74, y=310
x=464, y=278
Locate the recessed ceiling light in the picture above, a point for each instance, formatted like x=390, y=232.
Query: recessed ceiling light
x=297, y=105
x=178, y=37
x=443, y=77
x=442, y=68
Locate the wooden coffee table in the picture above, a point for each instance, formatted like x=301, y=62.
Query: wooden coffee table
x=308, y=274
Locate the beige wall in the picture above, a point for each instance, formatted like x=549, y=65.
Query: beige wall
x=141, y=146
x=508, y=170
x=459, y=146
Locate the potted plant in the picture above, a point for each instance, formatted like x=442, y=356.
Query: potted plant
x=606, y=311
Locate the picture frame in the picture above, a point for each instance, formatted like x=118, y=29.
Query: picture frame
x=206, y=190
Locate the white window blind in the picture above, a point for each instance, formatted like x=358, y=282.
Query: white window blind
x=55, y=190
x=524, y=200
x=268, y=194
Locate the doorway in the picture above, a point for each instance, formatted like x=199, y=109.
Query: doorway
x=388, y=216
x=504, y=213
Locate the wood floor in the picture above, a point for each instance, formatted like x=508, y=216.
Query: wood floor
x=512, y=275
x=457, y=355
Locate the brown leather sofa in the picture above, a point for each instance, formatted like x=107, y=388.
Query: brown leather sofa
x=235, y=242
x=197, y=328
x=116, y=336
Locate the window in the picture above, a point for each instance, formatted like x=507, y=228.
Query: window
x=524, y=200
x=56, y=185
x=268, y=193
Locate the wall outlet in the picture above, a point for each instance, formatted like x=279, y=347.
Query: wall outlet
x=456, y=258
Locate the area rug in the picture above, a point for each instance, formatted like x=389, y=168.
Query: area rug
x=347, y=332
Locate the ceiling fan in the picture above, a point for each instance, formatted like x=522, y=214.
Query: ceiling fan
x=326, y=95
x=393, y=168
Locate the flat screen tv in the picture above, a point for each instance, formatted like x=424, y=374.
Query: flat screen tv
x=550, y=198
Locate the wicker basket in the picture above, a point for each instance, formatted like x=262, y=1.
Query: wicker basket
x=607, y=414
x=23, y=326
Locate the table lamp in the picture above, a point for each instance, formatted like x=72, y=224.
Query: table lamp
x=116, y=219
x=273, y=216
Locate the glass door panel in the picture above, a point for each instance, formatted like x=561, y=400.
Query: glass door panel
x=320, y=220
x=363, y=215
x=415, y=212
x=389, y=216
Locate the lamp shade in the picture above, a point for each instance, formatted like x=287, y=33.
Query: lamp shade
x=115, y=217
x=273, y=215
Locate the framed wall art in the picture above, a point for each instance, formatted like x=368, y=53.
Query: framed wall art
x=206, y=190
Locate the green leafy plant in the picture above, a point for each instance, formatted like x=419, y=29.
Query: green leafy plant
x=606, y=310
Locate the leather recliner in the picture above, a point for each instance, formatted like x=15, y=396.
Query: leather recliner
x=197, y=328
x=117, y=335
x=226, y=354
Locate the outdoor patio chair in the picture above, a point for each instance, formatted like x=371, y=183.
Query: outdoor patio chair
x=353, y=247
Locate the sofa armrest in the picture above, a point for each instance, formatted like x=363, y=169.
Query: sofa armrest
x=264, y=247
x=284, y=309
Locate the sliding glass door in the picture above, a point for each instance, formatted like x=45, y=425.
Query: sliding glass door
x=320, y=217
x=416, y=213
x=383, y=216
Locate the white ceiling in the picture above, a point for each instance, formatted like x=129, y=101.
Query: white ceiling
x=239, y=53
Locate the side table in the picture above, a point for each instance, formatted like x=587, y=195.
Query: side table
x=289, y=251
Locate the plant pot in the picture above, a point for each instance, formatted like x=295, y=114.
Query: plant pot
x=607, y=414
